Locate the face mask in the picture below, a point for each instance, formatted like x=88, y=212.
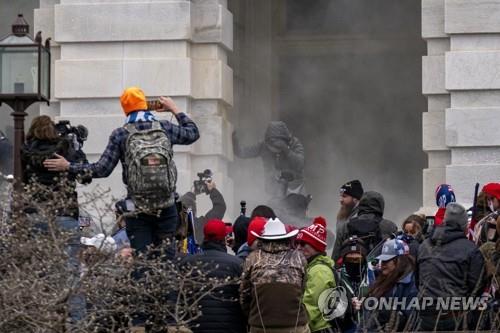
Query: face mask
x=354, y=270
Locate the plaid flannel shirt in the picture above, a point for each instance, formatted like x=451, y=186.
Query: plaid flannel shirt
x=183, y=134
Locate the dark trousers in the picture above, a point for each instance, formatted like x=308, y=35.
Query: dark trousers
x=145, y=230
x=447, y=322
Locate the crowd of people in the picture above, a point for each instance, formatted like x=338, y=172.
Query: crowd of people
x=288, y=281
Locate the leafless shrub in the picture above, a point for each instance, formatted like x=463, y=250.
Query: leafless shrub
x=43, y=283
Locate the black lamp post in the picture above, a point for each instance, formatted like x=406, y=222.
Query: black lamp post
x=24, y=79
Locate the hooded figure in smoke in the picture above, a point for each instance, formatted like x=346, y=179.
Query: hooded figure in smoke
x=283, y=158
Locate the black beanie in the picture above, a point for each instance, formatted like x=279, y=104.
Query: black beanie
x=352, y=245
x=353, y=188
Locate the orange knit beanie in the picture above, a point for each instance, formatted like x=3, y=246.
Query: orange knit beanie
x=133, y=99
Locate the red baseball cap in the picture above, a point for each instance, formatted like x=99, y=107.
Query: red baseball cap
x=492, y=189
x=215, y=230
x=256, y=225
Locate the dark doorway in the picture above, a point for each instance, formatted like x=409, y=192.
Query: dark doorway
x=346, y=78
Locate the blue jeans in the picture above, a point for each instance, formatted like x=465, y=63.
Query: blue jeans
x=76, y=302
x=144, y=230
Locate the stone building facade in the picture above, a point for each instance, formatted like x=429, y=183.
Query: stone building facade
x=461, y=82
x=231, y=64
x=169, y=48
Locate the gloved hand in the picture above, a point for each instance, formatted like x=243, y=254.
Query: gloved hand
x=278, y=146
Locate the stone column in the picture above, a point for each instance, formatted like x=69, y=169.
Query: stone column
x=473, y=80
x=171, y=48
x=433, y=86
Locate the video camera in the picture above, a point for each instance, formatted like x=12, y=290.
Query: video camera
x=76, y=135
x=200, y=185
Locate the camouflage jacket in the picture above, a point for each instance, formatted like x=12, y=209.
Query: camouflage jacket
x=272, y=287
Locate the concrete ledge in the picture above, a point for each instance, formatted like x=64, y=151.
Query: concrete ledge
x=208, y=52
x=463, y=178
x=472, y=70
x=212, y=23
x=117, y=22
x=475, y=42
x=207, y=107
x=111, y=106
x=127, y=50
x=472, y=127
x=212, y=80
x=215, y=133
x=433, y=19
x=472, y=16
x=433, y=131
x=108, y=78
x=438, y=46
x=475, y=155
x=438, y=103
x=439, y=159
x=475, y=99
x=433, y=75
x=48, y=3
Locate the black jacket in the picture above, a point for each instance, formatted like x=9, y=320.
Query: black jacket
x=240, y=230
x=371, y=206
x=5, y=155
x=217, y=212
x=449, y=264
x=224, y=313
x=287, y=164
x=33, y=153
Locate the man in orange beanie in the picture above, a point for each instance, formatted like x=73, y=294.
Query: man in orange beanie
x=144, y=148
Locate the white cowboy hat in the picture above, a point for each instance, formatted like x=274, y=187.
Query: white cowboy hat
x=101, y=242
x=275, y=229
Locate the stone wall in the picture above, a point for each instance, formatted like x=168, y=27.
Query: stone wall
x=170, y=48
x=461, y=81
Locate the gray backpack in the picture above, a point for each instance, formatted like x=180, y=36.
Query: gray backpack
x=150, y=168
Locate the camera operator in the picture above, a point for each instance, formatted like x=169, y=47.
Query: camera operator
x=44, y=141
x=207, y=186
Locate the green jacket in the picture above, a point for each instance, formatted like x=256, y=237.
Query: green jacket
x=319, y=277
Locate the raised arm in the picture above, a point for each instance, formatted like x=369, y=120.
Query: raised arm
x=186, y=132
x=218, y=204
x=295, y=154
x=245, y=152
x=100, y=169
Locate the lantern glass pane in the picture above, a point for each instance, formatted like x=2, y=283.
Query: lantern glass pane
x=18, y=70
x=45, y=73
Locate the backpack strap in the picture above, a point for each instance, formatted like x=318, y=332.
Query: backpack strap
x=130, y=127
x=155, y=125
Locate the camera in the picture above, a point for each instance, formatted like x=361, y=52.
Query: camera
x=200, y=185
x=243, y=208
x=76, y=135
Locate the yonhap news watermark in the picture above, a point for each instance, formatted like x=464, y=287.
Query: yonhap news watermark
x=333, y=303
x=452, y=303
